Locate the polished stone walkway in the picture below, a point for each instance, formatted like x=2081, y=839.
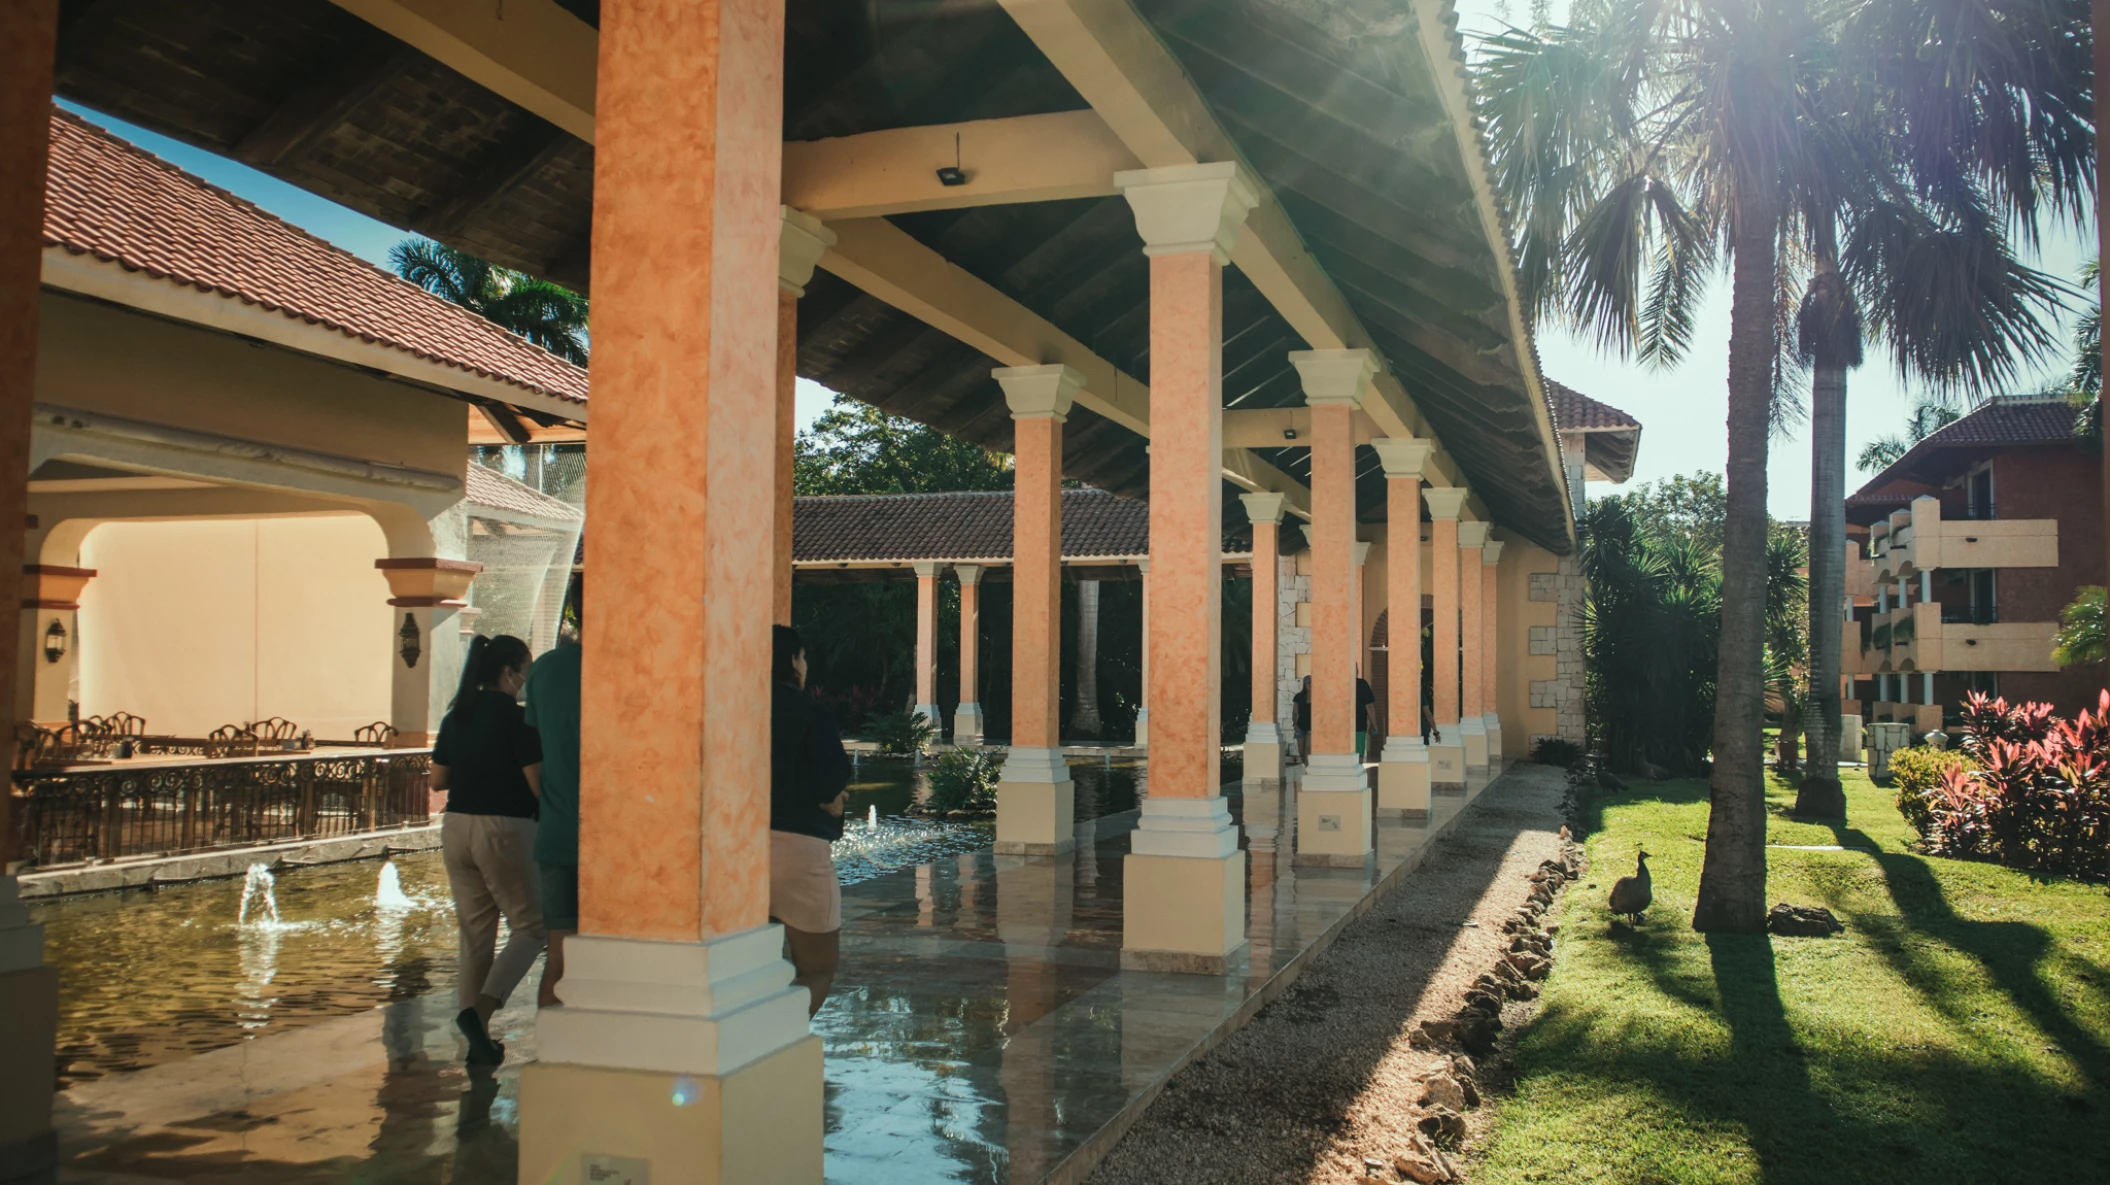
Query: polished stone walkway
x=982, y=1031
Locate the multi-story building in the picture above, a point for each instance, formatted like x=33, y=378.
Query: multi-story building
x=1960, y=556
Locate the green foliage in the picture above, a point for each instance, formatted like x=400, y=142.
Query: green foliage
x=551, y=316
x=902, y=733
x=2040, y=798
x=2087, y=377
x=1953, y=1033
x=855, y=448
x=1692, y=507
x=1914, y=773
x=1650, y=629
x=1927, y=418
x=963, y=779
x=2080, y=638
x=1556, y=751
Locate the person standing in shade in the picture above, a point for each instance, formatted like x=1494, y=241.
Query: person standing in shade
x=1365, y=713
x=808, y=776
x=553, y=712
x=489, y=762
x=1300, y=719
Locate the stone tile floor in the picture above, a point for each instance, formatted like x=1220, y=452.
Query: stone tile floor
x=981, y=1031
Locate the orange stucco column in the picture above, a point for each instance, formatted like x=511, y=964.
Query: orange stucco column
x=1036, y=800
x=677, y=972
x=1472, y=630
x=1490, y=653
x=28, y=988
x=1184, y=891
x=967, y=718
x=927, y=644
x=1143, y=705
x=1447, y=749
x=1333, y=809
x=800, y=242
x=1263, y=740
x=1403, y=774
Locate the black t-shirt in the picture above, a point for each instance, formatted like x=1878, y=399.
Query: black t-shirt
x=1300, y=710
x=1364, y=697
x=807, y=765
x=484, y=742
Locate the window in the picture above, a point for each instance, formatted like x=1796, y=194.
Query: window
x=1985, y=606
x=1979, y=491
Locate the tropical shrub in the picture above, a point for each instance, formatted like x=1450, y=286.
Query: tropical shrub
x=963, y=779
x=1915, y=772
x=2081, y=636
x=1556, y=751
x=852, y=705
x=2042, y=797
x=902, y=733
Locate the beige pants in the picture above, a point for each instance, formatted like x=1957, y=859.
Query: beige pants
x=491, y=867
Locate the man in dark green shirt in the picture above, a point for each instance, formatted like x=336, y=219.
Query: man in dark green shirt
x=553, y=710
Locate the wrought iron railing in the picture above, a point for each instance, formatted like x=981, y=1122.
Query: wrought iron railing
x=66, y=816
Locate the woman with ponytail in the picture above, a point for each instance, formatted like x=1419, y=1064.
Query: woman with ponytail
x=489, y=762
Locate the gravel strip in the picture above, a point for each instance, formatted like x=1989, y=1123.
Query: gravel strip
x=1324, y=1077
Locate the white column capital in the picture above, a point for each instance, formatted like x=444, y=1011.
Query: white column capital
x=1335, y=376
x=801, y=241
x=1446, y=502
x=927, y=569
x=968, y=573
x=1403, y=456
x=1362, y=552
x=1310, y=531
x=1263, y=509
x=1039, y=392
x=1143, y=565
x=1187, y=208
x=1491, y=553
x=1472, y=536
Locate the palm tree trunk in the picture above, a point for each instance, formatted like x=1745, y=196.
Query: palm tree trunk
x=1821, y=793
x=1732, y=895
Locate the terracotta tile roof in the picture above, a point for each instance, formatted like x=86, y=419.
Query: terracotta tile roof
x=2008, y=419
x=487, y=487
x=120, y=204
x=1574, y=411
x=961, y=526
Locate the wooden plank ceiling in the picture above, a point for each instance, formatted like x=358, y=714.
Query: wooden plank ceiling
x=1341, y=119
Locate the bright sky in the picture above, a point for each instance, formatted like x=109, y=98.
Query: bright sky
x=1682, y=410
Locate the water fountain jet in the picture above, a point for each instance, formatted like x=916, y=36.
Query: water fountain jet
x=389, y=893
x=257, y=888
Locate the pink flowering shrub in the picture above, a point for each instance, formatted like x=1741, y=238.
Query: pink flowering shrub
x=2040, y=797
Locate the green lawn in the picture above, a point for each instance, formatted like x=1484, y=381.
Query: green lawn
x=1958, y=1031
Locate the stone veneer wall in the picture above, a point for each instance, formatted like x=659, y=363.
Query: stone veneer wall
x=1291, y=640
x=1563, y=640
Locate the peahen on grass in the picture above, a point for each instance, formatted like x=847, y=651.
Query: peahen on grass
x=1631, y=895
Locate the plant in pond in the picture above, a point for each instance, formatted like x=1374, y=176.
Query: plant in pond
x=963, y=780
x=902, y=733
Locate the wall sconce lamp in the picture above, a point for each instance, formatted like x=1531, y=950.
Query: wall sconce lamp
x=409, y=636
x=54, y=641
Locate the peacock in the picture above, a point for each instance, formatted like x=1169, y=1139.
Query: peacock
x=1631, y=895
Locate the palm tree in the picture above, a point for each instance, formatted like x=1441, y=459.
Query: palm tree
x=552, y=317
x=1926, y=418
x=1647, y=139
x=1958, y=123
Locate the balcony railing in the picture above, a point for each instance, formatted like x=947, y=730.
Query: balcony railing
x=70, y=815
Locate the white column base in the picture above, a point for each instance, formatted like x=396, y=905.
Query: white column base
x=1496, y=759
x=21, y=940
x=1333, y=812
x=1183, y=888
x=1036, y=804
x=1447, y=760
x=967, y=724
x=1403, y=779
x=1472, y=733
x=1142, y=727
x=931, y=713
x=1263, y=752
x=705, y=1008
x=29, y=1000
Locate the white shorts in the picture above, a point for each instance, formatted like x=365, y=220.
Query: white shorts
x=803, y=890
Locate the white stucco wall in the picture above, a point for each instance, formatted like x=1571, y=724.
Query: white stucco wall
x=198, y=624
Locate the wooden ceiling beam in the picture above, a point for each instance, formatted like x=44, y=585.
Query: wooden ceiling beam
x=531, y=52
x=310, y=112
x=886, y=262
x=1114, y=58
x=515, y=162
x=1026, y=158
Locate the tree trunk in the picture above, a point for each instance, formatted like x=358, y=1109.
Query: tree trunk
x=1821, y=794
x=1084, y=717
x=1732, y=895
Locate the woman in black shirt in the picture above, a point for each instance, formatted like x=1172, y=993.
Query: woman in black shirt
x=489, y=762
x=807, y=775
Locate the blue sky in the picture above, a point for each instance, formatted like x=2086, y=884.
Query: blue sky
x=1683, y=410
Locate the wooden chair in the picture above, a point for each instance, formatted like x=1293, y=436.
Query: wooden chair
x=380, y=734
x=231, y=740
x=277, y=728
